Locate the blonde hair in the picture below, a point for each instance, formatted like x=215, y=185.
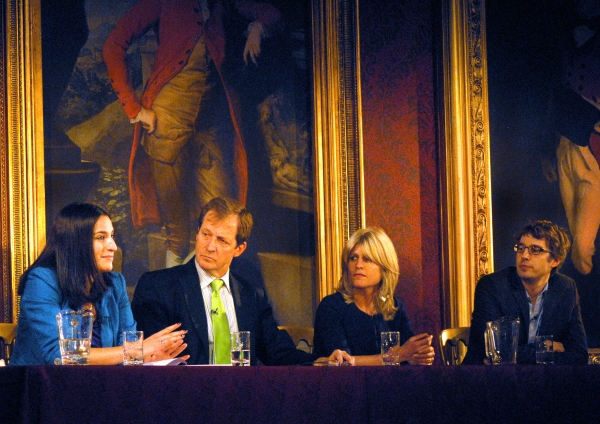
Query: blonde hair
x=378, y=247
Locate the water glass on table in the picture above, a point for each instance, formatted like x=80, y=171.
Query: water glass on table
x=75, y=336
x=390, y=347
x=240, y=348
x=133, y=347
x=544, y=350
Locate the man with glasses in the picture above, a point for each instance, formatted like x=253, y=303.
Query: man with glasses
x=545, y=301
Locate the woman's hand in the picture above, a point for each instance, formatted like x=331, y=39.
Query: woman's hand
x=166, y=344
x=338, y=357
x=418, y=350
x=341, y=357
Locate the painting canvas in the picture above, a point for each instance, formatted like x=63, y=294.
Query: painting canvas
x=543, y=105
x=88, y=140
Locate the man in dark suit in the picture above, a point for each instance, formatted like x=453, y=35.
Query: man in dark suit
x=183, y=294
x=545, y=301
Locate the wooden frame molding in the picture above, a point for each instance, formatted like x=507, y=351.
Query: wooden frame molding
x=466, y=187
x=24, y=141
x=339, y=188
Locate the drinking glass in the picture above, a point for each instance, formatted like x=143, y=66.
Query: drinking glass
x=390, y=345
x=544, y=350
x=240, y=348
x=133, y=347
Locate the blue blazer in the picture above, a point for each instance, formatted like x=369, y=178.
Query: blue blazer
x=37, y=331
x=173, y=295
x=502, y=294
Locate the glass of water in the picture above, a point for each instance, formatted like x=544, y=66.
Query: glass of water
x=390, y=345
x=133, y=351
x=240, y=348
x=75, y=351
x=544, y=350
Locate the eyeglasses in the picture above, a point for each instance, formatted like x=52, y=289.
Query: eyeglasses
x=533, y=250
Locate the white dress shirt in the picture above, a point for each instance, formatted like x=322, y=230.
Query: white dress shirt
x=227, y=299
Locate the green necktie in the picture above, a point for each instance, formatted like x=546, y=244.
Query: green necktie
x=220, y=325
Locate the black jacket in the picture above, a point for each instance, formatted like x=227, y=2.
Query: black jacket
x=173, y=295
x=502, y=294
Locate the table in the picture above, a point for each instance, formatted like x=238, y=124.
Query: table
x=188, y=394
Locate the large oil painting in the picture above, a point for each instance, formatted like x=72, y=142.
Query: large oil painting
x=82, y=151
x=88, y=137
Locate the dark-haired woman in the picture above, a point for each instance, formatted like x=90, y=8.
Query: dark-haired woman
x=74, y=271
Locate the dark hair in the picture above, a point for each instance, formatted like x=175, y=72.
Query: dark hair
x=224, y=207
x=70, y=251
x=556, y=237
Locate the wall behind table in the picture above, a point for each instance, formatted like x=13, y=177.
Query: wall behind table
x=400, y=147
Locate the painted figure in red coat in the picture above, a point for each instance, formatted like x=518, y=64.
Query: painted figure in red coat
x=188, y=145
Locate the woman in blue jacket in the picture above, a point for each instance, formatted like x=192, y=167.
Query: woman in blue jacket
x=74, y=271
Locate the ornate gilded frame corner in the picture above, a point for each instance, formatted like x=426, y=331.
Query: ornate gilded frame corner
x=339, y=186
x=24, y=207
x=467, y=181
x=339, y=192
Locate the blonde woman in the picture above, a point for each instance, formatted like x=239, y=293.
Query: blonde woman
x=364, y=306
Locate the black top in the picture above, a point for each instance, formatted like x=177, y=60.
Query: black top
x=341, y=325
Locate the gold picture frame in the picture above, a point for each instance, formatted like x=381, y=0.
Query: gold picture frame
x=466, y=182
x=23, y=182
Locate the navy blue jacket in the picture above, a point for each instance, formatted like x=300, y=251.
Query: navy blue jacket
x=173, y=295
x=502, y=294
